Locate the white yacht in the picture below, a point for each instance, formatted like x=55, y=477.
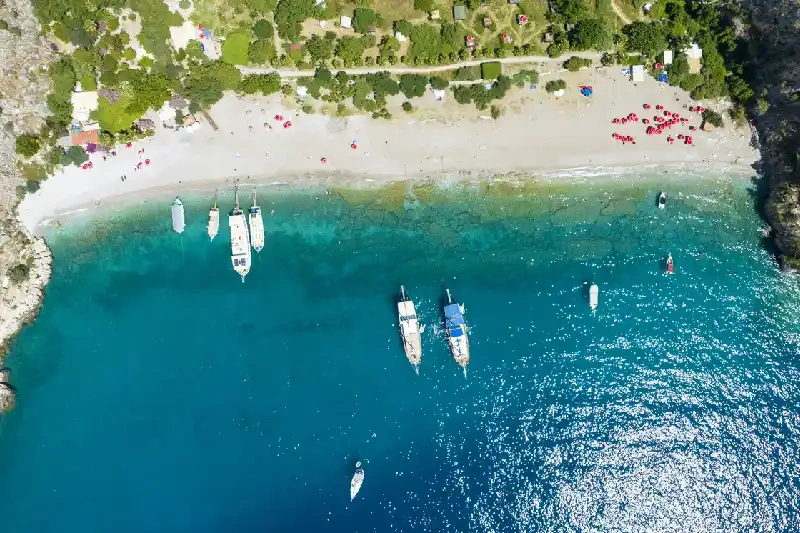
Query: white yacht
x=240, y=240
x=410, y=329
x=355, y=483
x=178, y=223
x=456, y=331
x=256, y=226
x=594, y=292
x=213, y=220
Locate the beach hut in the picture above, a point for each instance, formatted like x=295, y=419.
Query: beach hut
x=345, y=22
x=487, y=22
x=693, y=56
x=435, y=14
x=637, y=73
x=459, y=13
x=507, y=39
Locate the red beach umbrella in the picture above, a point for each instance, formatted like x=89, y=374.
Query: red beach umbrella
x=324, y=160
x=354, y=146
x=289, y=124
x=146, y=161
x=128, y=145
x=646, y=106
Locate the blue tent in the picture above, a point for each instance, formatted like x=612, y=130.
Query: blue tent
x=662, y=78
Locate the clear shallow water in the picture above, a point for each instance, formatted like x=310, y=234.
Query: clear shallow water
x=158, y=393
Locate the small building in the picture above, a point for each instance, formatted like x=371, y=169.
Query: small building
x=522, y=20
x=507, y=39
x=569, y=26
x=435, y=14
x=189, y=120
x=459, y=13
x=667, y=57
x=345, y=22
x=85, y=138
x=145, y=124
x=637, y=73
x=439, y=94
x=470, y=42
x=487, y=22
x=548, y=37
x=83, y=103
x=400, y=37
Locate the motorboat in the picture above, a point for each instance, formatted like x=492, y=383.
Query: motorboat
x=594, y=293
x=355, y=483
x=670, y=264
x=662, y=200
x=456, y=331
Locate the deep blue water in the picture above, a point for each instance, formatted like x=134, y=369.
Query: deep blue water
x=158, y=393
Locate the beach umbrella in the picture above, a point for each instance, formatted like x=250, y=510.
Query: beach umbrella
x=289, y=124
x=354, y=146
x=324, y=160
x=128, y=145
x=146, y=161
x=646, y=106
x=83, y=166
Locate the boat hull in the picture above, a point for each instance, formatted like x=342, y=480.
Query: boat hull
x=256, y=229
x=410, y=332
x=213, y=223
x=178, y=222
x=240, y=244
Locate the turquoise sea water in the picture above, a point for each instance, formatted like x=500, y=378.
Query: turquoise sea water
x=158, y=393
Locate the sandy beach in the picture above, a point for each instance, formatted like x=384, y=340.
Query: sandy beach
x=538, y=134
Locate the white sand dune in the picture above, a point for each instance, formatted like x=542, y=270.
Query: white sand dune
x=539, y=134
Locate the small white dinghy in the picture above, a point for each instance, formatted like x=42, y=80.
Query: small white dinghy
x=355, y=483
x=594, y=292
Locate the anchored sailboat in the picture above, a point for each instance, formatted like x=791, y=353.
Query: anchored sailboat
x=256, y=226
x=410, y=329
x=178, y=223
x=213, y=219
x=456, y=331
x=240, y=240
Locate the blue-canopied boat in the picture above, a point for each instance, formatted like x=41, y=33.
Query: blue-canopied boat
x=456, y=331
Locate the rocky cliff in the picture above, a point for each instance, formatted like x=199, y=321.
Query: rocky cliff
x=23, y=88
x=774, y=69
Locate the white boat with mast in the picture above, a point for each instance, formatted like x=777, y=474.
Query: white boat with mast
x=355, y=483
x=410, y=329
x=178, y=222
x=256, y=226
x=213, y=219
x=456, y=332
x=240, y=240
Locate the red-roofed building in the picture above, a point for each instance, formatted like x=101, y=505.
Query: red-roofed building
x=86, y=137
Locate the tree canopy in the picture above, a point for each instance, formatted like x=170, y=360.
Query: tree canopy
x=235, y=47
x=28, y=145
x=590, y=34
x=646, y=38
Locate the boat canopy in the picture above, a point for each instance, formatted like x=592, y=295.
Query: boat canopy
x=456, y=331
x=406, y=310
x=453, y=316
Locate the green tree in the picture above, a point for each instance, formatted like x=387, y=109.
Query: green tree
x=208, y=82
x=407, y=107
x=570, y=11
x=74, y=155
x=496, y=112
x=645, y=38
x=555, y=85
x=363, y=18
x=289, y=14
x=28, y=145
x=319, y=48
x=263, y=29
x=438, y=83
x=423, y=5
x=235, y=48
x=413, y=85
x=261, y=83
x=350, y=49
x=713, y=118
x=590, y=34
x=260, y=52
x=575, y=63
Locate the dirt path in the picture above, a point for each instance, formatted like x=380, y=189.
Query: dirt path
x=620, y=13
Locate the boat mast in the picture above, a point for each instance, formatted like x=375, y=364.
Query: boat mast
x=403, y=293
x=254, y=197
x=236, y=194
x=215, y=198
x=449, y=299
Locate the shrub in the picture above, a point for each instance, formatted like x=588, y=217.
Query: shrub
x=363, y=18
x=235, y=48
x=308, y=109
x=496, y=112
x=28, y=145
x=575, y=63
x=762, y=106
x=75, y=155
x=407, y=107
x=590, y=34
x=32, y=186
x=263, y=29
x=19, y=273
x=555, y=85
x=413, y=85
x=423, y=5
x=491, y=70
x=713, y=118
x=260, y=51
x=438, y=83
x=647, y=39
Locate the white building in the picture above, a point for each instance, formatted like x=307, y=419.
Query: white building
x=83, y=103
x=400, y=37
x=346, y=22
x=637, y=73
x=667, y=57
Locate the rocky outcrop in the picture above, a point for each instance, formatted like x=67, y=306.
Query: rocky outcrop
x=24, y=58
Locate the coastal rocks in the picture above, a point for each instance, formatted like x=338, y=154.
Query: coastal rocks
x=783, y=214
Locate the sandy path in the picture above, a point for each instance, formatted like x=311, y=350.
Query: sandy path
x=543, y=135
